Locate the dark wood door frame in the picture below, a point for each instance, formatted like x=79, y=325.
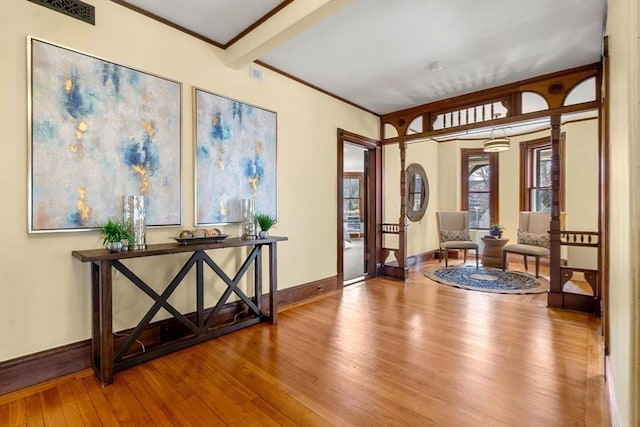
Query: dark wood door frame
x=373, y=186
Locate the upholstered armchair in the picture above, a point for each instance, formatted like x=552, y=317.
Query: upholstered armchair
x=533, y=239
x=453, y=232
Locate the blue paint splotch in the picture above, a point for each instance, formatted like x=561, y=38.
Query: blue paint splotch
x=75, y=218
x=142, y=153
x=73, y=97
x=111, y=73
x=241, y=111
x=45, y=130
x=133, y=77
x=253, y=169
x=236, y=110
x=203, y=152
x=77, y=102
x=220, y=131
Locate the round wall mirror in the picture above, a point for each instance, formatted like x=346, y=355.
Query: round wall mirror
x=417, y=192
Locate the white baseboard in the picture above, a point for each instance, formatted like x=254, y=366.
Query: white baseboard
x=613, y=406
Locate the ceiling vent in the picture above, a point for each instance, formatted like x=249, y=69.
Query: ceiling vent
x=73, y=8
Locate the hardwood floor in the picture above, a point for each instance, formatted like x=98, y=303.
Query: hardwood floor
x=380, y=352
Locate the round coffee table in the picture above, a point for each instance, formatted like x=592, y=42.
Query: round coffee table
x=492, y=252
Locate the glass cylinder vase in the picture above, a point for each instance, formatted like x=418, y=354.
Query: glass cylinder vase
x=249, y=219
x=133, y=218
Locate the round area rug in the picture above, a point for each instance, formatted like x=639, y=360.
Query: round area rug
x=488, y=279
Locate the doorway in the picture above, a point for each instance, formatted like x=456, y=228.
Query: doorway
x=354, y=213
x=358, y=207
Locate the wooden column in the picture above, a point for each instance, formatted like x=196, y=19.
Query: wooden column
x=401, y=255
x=555, y=298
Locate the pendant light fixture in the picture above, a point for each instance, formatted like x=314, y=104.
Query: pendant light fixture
x=494, y=145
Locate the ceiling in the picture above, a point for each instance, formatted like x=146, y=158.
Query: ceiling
x=383, y=55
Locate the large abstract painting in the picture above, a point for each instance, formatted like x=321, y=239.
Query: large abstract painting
x=100, y=131
x=235, y=158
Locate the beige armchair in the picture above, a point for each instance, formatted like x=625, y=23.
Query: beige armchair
x=453, y=232
x=533, y=239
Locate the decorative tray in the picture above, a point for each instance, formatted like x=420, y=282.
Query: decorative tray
x=192, y=240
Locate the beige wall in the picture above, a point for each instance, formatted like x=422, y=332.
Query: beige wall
x=44, y=292
x=391, y=194
x=422, y=235
x=581, y=185
x=622, y=28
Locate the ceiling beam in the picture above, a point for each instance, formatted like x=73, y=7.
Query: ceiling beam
x=292, y=20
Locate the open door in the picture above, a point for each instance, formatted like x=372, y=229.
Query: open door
x=354, y=213
x=358, y=207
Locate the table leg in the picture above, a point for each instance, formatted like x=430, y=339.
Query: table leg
x=273, y=282
x=258, y=280
x=102, y=339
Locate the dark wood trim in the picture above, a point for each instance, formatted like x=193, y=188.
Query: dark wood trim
x=308, y=291
x=49, y=364
x=168, y=23
x=494, y=181
x=393, y=271
x=220, y=45
x=417, y=259
x=526, y=169
x=238, y=37
x=553, y=87
x=361, y=175
x=53, y=363
x=593, y=105
x=43, y=366
x=603, y=194
x=469, y=98
x=512, y=135
x=373, y=200
x=555, y=297
x=314, y=87
x=262, y=20
x=402, y=221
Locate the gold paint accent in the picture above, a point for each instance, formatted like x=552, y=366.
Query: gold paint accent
x=148, y=127
x=142, y=171
x=73, y=148
x=254, y=184
x=82, y=205
x=68, y=85
x=259, y=148
x=214, y=120
x=220, y=156
x=223, y=210
x=82, y=128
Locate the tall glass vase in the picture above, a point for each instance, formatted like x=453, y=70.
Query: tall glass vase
x=134, y=216
x=249, y=219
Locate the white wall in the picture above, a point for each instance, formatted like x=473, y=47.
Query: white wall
x=44, y=292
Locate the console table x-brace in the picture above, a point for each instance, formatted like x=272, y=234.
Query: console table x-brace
x=106, y=360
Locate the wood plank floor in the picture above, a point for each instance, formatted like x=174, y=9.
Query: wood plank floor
x=378, y=353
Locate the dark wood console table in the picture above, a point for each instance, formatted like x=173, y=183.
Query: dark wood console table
x=106, y=359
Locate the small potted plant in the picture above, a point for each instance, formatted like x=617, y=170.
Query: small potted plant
x=496, y=230
x=112, y=233
x=265, y=222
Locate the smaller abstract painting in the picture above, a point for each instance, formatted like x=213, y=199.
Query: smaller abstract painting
x=100, y=131
x=235, y=158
